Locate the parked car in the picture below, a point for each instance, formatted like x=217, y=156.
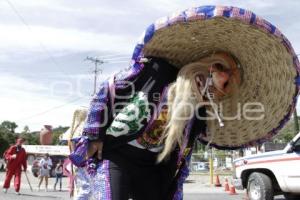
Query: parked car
x=268, y=174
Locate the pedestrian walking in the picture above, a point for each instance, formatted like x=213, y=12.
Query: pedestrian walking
x=16, y=159
x=58, y=174
x=45, y=167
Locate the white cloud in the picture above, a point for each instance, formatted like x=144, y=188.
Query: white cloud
x=35, y=111
x=26, y=103
x=71, y=30
x=85, y=8
x=29, y=102
x=21, y=100
x=38, y=37
x=10, y=82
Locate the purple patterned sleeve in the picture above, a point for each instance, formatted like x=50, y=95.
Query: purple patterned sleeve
x=95, y=125
x=78, y=156
x=98, y=115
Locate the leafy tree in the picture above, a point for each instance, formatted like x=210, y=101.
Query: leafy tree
x=4, y=145
x=10, y=126
x=30, y=138
x=287, y=133
x=26, y=129
x=56, y=133
x=7, y=137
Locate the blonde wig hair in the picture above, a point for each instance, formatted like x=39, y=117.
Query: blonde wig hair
x=184, y=96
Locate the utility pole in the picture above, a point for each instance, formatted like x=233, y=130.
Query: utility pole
x=211, y=167
x=97, y=62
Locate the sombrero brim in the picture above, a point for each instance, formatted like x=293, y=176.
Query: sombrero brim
x=269, y=65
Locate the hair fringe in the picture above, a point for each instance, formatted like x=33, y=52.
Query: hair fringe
x=182, y=103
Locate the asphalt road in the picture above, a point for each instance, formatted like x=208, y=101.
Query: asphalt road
x=51, y=195
x=196, y=188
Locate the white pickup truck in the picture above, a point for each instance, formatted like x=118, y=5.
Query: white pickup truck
x=268, y=174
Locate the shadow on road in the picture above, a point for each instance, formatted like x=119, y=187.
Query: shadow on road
x=189, y=181
x=32, y=195
x=28, y=196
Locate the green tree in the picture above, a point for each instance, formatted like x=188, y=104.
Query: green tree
x=56, y=133
x=10, y=126
x=26, y=129
x=30, y=138
x=7, y=135
x=286, y=134
x=4, y=145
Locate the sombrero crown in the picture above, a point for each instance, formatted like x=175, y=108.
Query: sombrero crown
x=268, y=63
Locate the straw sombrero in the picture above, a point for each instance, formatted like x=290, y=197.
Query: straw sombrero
x=267, y=60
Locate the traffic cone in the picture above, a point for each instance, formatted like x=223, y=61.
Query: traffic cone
x=218, y=184
x=232, y=190
x=226, y=185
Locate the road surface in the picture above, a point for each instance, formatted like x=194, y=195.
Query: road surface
x=196, y=188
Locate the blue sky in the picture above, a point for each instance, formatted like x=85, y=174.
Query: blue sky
x=43, y=44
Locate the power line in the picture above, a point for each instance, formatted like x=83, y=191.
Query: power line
x=18, y=14
x=42, y=46
x=114, y=55
x=49, y=110
x=116, y=62
x=108, y=57
x=116, y=58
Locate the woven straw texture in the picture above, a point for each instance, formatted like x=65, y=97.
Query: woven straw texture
x=267, y=65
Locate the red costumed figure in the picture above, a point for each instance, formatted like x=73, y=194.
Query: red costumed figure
x=16, y=157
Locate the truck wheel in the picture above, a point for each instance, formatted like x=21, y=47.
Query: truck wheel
x=290, y=196
x=260, y=187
